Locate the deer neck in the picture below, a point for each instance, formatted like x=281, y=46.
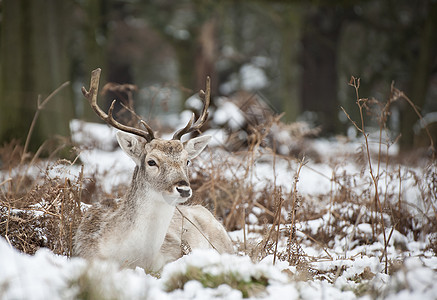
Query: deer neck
x=149, y=217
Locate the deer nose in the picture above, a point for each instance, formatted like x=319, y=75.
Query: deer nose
x=183, y=188
x=184, y=192
x=182, y=183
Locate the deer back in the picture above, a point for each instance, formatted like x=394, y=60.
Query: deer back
x=194, y=227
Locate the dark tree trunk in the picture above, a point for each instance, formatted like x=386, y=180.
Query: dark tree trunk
x=420, y=80
x=206, y=56
x=289, y=79
x=35, y=62
x=319, y=81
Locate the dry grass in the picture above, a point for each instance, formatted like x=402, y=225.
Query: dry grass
x=41, y=211
x=39, y=204
x=42, y=208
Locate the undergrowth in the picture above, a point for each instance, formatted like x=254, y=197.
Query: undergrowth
x=249, y=287
x=40, y=201
x=42, y=210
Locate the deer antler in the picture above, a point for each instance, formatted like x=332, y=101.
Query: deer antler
x=190, y=127
x=91, y=96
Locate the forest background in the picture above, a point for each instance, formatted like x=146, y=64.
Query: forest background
x=297, y=56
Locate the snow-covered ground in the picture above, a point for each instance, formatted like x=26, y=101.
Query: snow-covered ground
x=345, y=269
x=48, y=276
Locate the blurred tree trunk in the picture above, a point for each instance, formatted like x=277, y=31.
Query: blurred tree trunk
x=420, y=80
x=94, y=33
x=290, y=27
x=34, y=61
x=195, y=53
x=197, y=56
x=206, y=56
x=184, y=50
x=119, y=61
x=319, y=83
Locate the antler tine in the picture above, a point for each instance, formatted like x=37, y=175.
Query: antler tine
x=178, y=134
x=91, y=96
x=203, y=116
x=148, y=128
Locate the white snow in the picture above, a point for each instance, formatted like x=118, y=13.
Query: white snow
x=228, y=113
x=49, y=276
x=252, y=77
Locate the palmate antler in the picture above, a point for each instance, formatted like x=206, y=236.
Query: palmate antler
x=91, y=96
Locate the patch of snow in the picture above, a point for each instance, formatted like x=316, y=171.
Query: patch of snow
x=250, y=77
x=211, y=262
x=252, y=219
x=194, y=103
x=253, y=77
x=49, y=276
x=230, y=86
x=94, y=135
x=219, y=137
x=364, y=228
x=415, y=281
x=228, y=113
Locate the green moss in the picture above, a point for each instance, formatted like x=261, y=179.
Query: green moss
x=94, y=284
x=248, y=288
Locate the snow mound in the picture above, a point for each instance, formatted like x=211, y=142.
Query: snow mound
x=49, y=276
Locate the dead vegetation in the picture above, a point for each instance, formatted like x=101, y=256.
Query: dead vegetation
x=40, y=201
x=42, y=210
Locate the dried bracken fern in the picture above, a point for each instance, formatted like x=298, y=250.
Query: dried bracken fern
x=38, y=209
x=43, y=210
x=47, y=215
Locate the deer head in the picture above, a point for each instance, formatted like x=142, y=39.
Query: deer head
x=161, y=165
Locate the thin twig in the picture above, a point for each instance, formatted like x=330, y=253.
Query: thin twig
x=401, y=94
x=40, y=106
x=243, y=218
x=355, y=83
x=278, y=217
x=5, y=181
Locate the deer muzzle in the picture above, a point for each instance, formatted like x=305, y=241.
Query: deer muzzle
x=183, y=188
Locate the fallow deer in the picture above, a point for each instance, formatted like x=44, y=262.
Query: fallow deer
x=146, y=228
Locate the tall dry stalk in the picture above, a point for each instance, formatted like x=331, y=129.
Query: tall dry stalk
x=292, y=244
x=363, y=104
x=39, y=107
x=47, y=212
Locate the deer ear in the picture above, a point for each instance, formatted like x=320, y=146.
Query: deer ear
x=196, y=145
x=131, y=145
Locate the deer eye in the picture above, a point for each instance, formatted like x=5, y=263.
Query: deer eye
x=151, y=163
